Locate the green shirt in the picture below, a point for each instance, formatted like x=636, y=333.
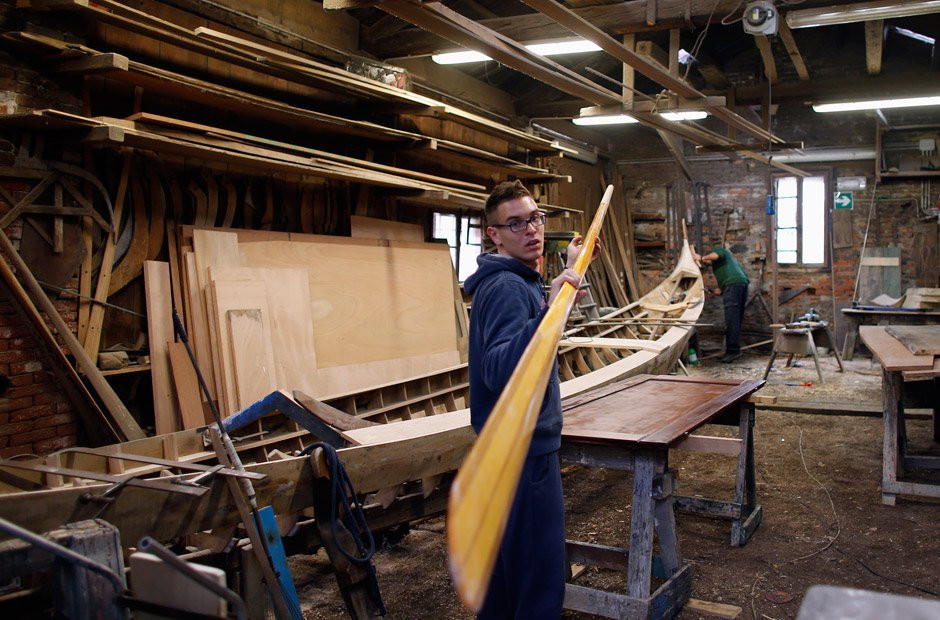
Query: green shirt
x=727, y=270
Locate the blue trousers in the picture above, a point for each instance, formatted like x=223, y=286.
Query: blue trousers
x=529, y=578
x=734, y=297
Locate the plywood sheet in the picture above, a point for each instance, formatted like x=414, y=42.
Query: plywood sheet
x=374, y=228
x=186, y=386
x=370, y=302
x=159, y=332
x=890, y=352
x=919, y=339
x=252, y=355
x=354, y=377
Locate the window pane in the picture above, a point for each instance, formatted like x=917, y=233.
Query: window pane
x=787, y=257
x=445, y=227
x=786, y=187
x=468, y=261
x=786, y=239
x=814, y=220
x=786, y=212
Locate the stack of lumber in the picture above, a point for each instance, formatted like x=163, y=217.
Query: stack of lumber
x=320, y=314
x=911, y=349
x=923, y=298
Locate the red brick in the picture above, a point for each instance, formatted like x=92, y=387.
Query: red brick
x=30, y=389
x=16, y=355
x=31, y=436
x=21, y=368
x=19, y=380
x=12, y=451
x=13, y=405
x=13, y=428
x=46, y=446
x=33, y=412
x=63, y=406
x=54, y=420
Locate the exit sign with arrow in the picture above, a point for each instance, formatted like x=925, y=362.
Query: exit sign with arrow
x=843, y=200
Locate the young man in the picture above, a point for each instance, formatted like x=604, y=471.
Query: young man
x=508, y=304
x=732, y=286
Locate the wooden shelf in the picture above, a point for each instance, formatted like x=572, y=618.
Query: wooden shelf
x=650, y=244
x=910, y=174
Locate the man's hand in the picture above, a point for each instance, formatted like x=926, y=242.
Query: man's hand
x=575, y=247
x=570, y=276
x=716, y=291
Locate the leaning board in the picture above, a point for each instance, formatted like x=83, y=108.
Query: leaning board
x=919, y=339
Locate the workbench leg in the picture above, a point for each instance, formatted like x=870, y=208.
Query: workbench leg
x=892, y=457
x=640, y=560
x=835, y=350
x=745, y=482
x=665, y=517
x=770, y=364
x=851, y=338
x=812, y=347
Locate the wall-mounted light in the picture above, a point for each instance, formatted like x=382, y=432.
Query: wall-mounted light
x=684, y=115
x=604, y=119
x=879, y=104
x=548, y=48
x=860, y=12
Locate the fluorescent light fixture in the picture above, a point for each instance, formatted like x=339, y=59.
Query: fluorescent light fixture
x=605, y=119
x=550, y=48
x=556, y=48
x=881, y=104
x=910, y=34
x=684, y=115
x=860, y=12
x=459, y=58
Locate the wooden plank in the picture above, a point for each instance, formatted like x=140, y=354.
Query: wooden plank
x=373, y=228
x=252, y=355
x=874, y=44
x=96, y=314
x=767, y=57
x=881, y=261
x=919, y=339
x=159, y=333
x=890, y=352
x=131, y=264
x=786, y=35
x=188, y=398
x=713, y=610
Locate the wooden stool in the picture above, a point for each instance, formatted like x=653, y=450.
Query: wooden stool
x=802, y=338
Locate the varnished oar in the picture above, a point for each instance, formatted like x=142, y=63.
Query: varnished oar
x=483, y=491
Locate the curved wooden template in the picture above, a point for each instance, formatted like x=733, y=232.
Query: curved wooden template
x=231, y=202
x=132, y=264
x=176, y=196
x=157, y=213
x=248, y=208
x=290, y=205
x=268, y=218
x=200, y=203
x=212, y=198
x=307, y=197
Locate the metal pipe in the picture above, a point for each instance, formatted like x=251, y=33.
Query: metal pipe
x=149, y=545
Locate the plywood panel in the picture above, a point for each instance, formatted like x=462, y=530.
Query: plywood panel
x=919, y=339
x=252, y=356
x=343, y=379
x=186, y=385
x=223, y=297
x=374, y=228
x=159, y=332
x=890, y=352
x=371, y=302
x=288, y=298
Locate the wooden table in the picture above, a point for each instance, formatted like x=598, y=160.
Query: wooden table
x=907, y=379
x=631, y=425
x=856, y=317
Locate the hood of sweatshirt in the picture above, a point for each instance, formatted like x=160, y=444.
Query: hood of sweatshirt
x=488, y=264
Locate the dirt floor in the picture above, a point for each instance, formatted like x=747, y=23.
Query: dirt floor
x=818, y=481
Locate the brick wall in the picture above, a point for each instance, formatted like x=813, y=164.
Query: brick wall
x=36, y=417
x=741, y=187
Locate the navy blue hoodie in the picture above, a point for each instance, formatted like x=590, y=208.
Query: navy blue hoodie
x=508, y=304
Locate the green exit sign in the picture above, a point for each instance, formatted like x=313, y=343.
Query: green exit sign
x=843, y=200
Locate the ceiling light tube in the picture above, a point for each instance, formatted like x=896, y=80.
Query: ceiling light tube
x=604, y=119
x=881, y=104
x=684, y=115
x=860, y=12
x=547, y=48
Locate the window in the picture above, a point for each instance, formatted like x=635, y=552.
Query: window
x=801, y=220
x=464, y=235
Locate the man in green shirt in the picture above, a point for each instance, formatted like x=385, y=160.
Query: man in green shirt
x=732, y=285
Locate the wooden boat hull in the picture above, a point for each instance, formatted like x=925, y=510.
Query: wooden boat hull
x=430, y=436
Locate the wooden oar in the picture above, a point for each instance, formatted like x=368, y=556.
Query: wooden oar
x=483, y=491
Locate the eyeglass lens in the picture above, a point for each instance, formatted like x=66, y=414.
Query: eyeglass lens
x=536, y=220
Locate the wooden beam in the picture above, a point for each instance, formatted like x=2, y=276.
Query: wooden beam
x=674, y=45
x=874, y=45
x=674, y=145
x=87, y=65
x=786, y=35
x=767, y=57
x=629, y=75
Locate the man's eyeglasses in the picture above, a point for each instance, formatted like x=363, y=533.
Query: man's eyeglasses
x=517, y=226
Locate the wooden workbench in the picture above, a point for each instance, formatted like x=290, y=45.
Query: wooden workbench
x=632, y=425
x=856, y=317
x=907, y=378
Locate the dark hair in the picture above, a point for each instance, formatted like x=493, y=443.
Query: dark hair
x=507, y=190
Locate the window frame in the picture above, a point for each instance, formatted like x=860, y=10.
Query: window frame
x=799, y=265
x=461, y=235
